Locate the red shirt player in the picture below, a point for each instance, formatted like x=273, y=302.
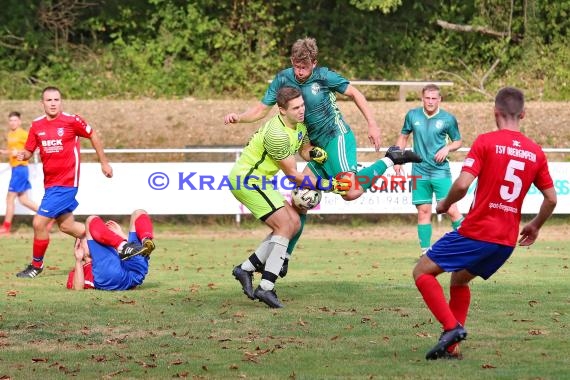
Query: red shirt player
x=506, y=163
x=56, y=135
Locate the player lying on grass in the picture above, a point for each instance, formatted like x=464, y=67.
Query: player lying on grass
x=98, y=263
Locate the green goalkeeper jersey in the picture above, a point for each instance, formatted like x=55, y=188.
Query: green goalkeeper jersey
x=273, y=142
x=322, y=115
x=430, y=134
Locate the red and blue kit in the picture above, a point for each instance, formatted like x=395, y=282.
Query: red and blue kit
x=58, y=144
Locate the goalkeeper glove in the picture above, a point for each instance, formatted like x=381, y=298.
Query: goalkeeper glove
x=339, y=187
x=319, y=155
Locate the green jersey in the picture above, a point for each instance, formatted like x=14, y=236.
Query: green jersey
x=273, y=142
x=431, y=133
x=322, y=116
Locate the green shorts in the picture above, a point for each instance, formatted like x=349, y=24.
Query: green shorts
x=424, y=189
x=260, y=198
x=341, y=152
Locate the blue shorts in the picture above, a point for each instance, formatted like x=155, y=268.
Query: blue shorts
x=58, y=200
x=454, y=252
x=19, y=182
x=112, y=273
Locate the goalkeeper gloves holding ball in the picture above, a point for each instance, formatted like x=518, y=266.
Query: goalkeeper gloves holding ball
x=319, y=155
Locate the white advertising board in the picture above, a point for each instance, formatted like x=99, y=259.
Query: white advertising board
x=202, y=188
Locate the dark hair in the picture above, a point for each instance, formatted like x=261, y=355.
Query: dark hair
x=431, y=87
x=510, y=102
x=50, y=88
x=285, y=94
x=305, y=50
x=15, y=113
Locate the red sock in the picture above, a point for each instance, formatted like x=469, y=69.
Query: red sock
x=7, y=226
x=143, y=227
x=102, y=234
x=434, y=298
x=459, y=300
x=38, y=252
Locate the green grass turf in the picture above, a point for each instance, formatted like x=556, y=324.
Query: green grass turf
x=351, y=312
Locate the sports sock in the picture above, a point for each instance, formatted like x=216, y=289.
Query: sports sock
x=369, y=173
x=38, y=252
x=455, y=225
x=432, y=293
x=424, y=234
x=459, y=300
x=259, y=257
x=278, y=252
x=102, y=234
x=295, y=239
x=7, y=226
x=143, y=227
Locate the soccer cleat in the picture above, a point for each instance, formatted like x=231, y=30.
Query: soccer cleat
x=401, y=156
x=148, y=246
x=446, y=339
x=30, y=272
x=4, y=231
x=131, y=249
x=269, y=297
x=245, y=278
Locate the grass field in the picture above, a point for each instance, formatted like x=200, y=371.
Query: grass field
x=351, y=312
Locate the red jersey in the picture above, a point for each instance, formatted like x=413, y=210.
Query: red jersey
x=87, y=273
x=58, y=142
x=506, y=163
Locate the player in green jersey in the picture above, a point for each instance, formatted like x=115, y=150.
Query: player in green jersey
x=325, y=124
x=435, y=135
x=271, y=149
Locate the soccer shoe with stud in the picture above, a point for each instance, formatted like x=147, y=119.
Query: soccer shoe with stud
x=269, y=297
x=30, y=272
x=148, y=246
x=446, y=339
x=402, y=156
x=131, y=249
x=245, y=278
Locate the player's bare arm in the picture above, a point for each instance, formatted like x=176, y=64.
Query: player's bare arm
x=98, y=146
x=362, y=104
x=24, y=155
x=78, y=276
x=257, y=112
x=289, y=168
x=456, y=193
x=442, y=154
x=529, y=232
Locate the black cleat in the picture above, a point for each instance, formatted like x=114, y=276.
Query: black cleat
x=446, y=339
x=148, y=246
x=284, y=269
x=30, y=272
x=245, y=278
x=131, y=249
x=400, y=156
x=269, y=297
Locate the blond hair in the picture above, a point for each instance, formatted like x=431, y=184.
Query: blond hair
x=305, y=50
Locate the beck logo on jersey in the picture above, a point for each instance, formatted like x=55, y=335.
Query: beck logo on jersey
x=52, y=142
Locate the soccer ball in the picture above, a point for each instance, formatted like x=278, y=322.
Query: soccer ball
x=306, y=199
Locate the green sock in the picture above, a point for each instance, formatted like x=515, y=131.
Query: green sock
x=424, y=233
x=455, y=225
x=376, y=169
x=294, y=239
